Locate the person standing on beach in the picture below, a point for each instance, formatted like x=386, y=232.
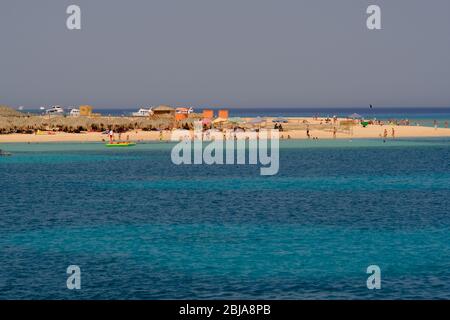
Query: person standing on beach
x=307, y=132
x=393, y=133
x=385, y=134
x=334, y=132
x=435, y=125
x=111, y=136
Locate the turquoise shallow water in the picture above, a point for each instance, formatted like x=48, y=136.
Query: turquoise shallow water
x=142, y=228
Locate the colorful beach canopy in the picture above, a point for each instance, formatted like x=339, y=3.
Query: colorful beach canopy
x=235, y=120
x=257, y=120
x=220, y=120
x=280, y=120
x=355, y=116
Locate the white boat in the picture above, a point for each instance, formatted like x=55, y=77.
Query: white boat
x=41, y=108
x=184, y=110
x=74, y=112
x=21, y=108
x=55, y=110
x=143, y=112
x=4, y=153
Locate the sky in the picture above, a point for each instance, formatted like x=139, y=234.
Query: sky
x=236, y=53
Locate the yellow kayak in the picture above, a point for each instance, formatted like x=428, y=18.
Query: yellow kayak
x=121, y=144
x=44, y=133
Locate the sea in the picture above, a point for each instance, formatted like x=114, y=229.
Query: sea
x=140, y=227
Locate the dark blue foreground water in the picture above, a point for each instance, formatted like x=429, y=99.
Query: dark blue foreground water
x=142, y=228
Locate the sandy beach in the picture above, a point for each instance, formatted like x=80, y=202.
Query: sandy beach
x=18, y=127
x=355, y=131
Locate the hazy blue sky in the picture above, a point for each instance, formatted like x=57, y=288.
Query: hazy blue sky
x=228, y=52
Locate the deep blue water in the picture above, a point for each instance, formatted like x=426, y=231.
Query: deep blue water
x=140, y=227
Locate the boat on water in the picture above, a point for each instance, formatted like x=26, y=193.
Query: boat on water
x=120, y=144
x=74, y=112
x=5, y=153
x=55, y=110
x=184, y=110
x=143, y=112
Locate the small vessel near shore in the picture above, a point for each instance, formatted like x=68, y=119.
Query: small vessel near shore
x=184, y=110
x=120, y=144
x=55, y=110
x=74, y=112
x=143, y=112
x=5, y=153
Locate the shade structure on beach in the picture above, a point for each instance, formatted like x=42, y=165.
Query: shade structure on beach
x=235, y=120
x=219, y=120
x=280, y=120
x=355, y=116
x=257, y=120
x=163, y=109
x=6, y=111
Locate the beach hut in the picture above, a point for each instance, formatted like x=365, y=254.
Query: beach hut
x=208, y=114
x=85, y=111
x=164, y=110
x=181, y=116
x=6, y=111
x=223, y=114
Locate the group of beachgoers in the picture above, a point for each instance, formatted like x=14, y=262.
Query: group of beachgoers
x=278, y=127
x=403, y=122
x=310, y=137
x=385, y=134
x=111, y=136
x=226, y=134
x=232, y=133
